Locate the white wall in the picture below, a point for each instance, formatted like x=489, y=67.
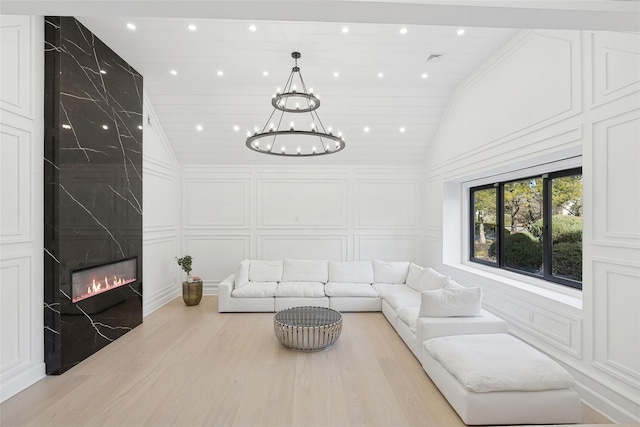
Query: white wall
x=547, y=96
x=161, y=218
x=22, y=207
x=230, y=213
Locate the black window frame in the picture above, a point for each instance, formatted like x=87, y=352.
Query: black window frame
x=547, y=254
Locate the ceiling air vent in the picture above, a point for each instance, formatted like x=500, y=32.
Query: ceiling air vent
x=435, y=57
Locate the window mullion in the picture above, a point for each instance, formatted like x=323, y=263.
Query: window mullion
x=500, y=225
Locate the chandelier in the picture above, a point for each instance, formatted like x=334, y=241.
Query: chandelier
x=283, y=139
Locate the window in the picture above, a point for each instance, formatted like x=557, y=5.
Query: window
x=531, y=226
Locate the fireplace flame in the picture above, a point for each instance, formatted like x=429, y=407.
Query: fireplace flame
x=97, y=287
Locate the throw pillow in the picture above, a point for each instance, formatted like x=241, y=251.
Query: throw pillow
x=302, y=270
x=390, y=272
x=451, y=302
x=350, y=271
x=265, y=271
x=242, y=273
x=415, y=275
x=432, y=280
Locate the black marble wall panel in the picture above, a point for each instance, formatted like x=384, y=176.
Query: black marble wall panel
x=93, y=189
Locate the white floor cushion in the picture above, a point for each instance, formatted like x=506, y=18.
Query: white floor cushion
x=256, y=290
x=337, y=289
x=497, y=362
x=300, y=290
x=403, y=299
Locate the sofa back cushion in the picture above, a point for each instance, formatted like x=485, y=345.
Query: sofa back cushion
x=350, y=271
x=242, y=273
x=390, y=272
x=432, y=280
x=451, y=302
x=415, y=275
x=301, y=270
x=265, y=271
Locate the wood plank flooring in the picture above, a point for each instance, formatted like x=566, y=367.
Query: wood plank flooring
x=193, y=366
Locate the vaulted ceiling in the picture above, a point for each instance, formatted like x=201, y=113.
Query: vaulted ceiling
x=211, y=68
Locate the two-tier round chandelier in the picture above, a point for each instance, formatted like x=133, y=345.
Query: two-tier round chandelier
x=280, y=137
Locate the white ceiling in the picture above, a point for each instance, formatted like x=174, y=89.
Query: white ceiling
x=356, y=99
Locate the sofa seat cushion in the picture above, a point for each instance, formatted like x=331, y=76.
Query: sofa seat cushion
x=256, y=290
x=409, y=315
x=497, y=362
x=300, y=290
x=338, y=289
x=350, y=271
x=404, y=299
x=302, y=270
x=386, y=289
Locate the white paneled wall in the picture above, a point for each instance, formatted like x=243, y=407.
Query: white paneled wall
x=315, y=212
x=161, y=218
x=548, y=96
x=21, y=213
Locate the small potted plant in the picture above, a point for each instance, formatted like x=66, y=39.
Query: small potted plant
x=191, y=289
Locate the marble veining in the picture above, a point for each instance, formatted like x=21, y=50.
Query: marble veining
x=93, y=189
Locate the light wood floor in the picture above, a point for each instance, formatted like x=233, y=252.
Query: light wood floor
x=193, y=366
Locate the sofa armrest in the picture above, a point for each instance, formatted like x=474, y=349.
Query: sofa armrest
x=224, y=293
x=433, y=327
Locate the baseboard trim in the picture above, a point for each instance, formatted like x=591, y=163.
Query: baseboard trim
x=19, y=381
x=154, y=302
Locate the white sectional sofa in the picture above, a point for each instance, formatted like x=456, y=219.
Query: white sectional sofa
x=441, y=321
x=395, y=288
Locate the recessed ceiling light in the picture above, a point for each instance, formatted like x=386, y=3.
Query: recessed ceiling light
x=173, y=72
x=236, y=128
x=198, y=127
x=252, y=28
x=403, y=31
x=366, y=129
x=192, y=27
x=66, y=126
x=381, y=75
x=105, y=127
x=336, y=74
x=131, y=26
x=402, y=129
x=424, y=75
x=460, y=31
x=265, y=73
x=345, y=30
x=220, y=73
x=140, y=127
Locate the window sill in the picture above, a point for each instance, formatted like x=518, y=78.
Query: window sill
x=559, y=293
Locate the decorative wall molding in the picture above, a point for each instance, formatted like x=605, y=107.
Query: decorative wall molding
x=16, y=33
x=16, y=151
x=215, y=257
x=616, y=180
x=21, y=215
x=302, y=203
x=300, y=246
x=15, y=274
x=615, y=66
x=616, y=295
x=216, y=203
x=388, y=248
x=387, y=204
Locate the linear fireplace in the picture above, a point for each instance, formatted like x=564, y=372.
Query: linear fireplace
x=91, y=281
